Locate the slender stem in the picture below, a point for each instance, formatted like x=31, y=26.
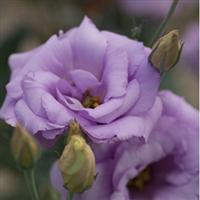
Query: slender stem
x=34, y=186
x=31, y=183
x=70, y=195
x=162, y=26
x=27, y=180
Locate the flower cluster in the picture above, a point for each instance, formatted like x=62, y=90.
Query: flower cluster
x=125, y=140
x=166, y=167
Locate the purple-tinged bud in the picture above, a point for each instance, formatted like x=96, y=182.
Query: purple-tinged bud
x=166, y=51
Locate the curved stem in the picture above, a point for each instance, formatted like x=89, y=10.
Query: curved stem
x=31, y=183
x=164, y=23
x=70, y=195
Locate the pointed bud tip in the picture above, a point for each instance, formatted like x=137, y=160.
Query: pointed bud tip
x=74, y=129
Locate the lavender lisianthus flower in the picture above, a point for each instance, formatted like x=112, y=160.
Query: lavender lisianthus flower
x=101, y=79
x=164, y=168
x=191, y=47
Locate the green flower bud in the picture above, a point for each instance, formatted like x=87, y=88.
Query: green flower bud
x=24, y=148
x=77, y=163
x=166, y=51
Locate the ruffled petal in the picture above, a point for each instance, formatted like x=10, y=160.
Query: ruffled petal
x=30, y=121
x=134, y=49
x=52, y=134
x=114, y=108
x=115, y=75
x=177, y=107
x=84, y=80
x=35, y=85
x=18, y=60
x=89, y=47
x=56, y=112
x=136, y=158
x=132, y=94
x=54, y=56
x=138, y=68
x=128, y=126
x=149, y=80
x=69, y=102
x=7, y=110
x=102, y=110
x=66, y=89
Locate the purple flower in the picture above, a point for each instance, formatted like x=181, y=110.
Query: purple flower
x=164, y=168
x=191, y=46
x=101, y=79
x=153, y=8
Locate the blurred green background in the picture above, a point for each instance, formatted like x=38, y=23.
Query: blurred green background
x=24, y=24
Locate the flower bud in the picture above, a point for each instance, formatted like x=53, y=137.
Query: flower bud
x=166, y=51
x=77, y=163
x=24, y=148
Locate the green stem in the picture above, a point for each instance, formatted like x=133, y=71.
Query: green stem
x=27, y=180
x=31, y=183
x=70, y=195
x=162, y=26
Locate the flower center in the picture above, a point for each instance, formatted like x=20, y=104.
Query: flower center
x=140, y=180
x=90, y=101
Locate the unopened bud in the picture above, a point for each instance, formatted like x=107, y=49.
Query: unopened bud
x=166, y=51
x=77, y=163
x=24, y=148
